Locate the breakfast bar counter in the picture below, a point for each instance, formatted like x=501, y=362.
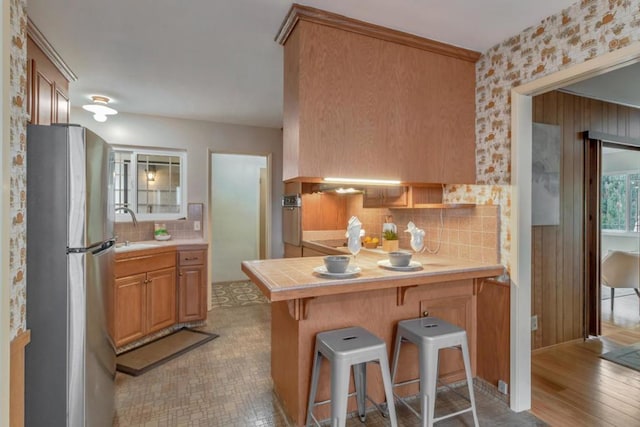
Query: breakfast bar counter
x=304, y=303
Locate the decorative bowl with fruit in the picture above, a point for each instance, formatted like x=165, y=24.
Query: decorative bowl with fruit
x=370, y=242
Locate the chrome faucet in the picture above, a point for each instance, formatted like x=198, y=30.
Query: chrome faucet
x=133, y=215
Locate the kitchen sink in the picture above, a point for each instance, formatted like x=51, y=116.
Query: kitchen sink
x=134, y=246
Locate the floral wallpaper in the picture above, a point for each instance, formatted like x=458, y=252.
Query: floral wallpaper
x=581, y=32
x=17, y=190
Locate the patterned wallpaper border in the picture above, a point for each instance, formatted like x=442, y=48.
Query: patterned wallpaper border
x=18, y=184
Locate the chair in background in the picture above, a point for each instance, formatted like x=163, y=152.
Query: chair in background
x=621, y=269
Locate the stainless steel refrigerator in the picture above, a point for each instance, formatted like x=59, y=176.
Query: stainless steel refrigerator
x=70, y=362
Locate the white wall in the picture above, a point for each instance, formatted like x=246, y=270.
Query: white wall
x=235, y=214
x=199, y=138
x=620, y=161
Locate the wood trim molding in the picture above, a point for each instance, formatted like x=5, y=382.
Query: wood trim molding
x=299, y=308
x=318, y=16
x=616, y=139
x=41, y=41
x=16, y=382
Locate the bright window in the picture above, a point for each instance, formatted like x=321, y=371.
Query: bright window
x=619, y=202
x=151, y=183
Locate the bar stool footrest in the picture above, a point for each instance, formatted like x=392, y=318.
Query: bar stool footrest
x=401, y=400
x=453, y=414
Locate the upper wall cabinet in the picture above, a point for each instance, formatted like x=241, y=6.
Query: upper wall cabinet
x=47, y=81
x=363, y=101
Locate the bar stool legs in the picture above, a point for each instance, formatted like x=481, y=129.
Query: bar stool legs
x=349, y=349
x=430, y=335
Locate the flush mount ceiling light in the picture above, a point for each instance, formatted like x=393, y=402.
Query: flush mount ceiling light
x=99, y=108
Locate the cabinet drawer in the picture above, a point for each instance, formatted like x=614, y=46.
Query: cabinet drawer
x=144, y=263
x=191, y=258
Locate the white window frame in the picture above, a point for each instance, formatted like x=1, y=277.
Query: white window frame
x=121, y=216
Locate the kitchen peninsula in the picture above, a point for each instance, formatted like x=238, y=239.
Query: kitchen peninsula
x=304, y=304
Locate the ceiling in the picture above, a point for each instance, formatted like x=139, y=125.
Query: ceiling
x=621, y=86
x=217, y=60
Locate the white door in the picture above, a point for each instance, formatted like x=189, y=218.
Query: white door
x=235, y=213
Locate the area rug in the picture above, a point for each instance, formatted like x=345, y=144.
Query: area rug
x=235, y=294
x=627, y=356
x=151, y=355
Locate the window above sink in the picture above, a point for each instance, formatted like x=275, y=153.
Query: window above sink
x=152, y=183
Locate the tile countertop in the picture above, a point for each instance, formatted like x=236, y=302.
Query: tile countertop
x=292, y=278
x=149, y=247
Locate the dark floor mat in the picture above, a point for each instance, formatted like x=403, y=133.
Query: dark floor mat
x=139, y=360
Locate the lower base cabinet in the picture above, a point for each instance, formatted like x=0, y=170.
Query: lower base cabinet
x=154, y=291
x=130, y=323
x=457, y=311
x=161, y=299
x=144, y=303
x=192, y=285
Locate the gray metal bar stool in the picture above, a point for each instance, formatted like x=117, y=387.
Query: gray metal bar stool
x=431, y=335
x=346, y=349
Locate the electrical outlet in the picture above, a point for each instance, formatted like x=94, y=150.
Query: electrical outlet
x=503, y=387
x=534, y=322
x=196, y=225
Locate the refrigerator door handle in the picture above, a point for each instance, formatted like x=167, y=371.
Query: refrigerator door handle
x=96, y=249
x=104, y=246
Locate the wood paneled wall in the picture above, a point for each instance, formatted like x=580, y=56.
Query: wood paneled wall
x=324, y=211
x=557, y=258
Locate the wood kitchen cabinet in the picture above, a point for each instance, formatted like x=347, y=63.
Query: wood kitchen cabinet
x=192, y=285
x=384, y=197
x=494, y=331
x=144, y=300
x=456, y=310
x=47, y=88
x=291, y=251
x=363, y=101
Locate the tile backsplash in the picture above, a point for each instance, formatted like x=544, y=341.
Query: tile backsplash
x=471, y=233
x=178, y=229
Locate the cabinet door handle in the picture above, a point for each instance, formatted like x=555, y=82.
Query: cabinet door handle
x=180, y=274
x=425, y=313
x=191, y=258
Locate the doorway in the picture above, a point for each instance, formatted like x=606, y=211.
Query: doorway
x=239, y=212
x=521, y=236
x=618, y=238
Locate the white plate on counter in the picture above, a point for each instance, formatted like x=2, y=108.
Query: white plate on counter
x=352, y=271
x=413, y=266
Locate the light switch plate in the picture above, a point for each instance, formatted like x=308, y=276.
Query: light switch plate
x=196, y=225
x=503, y=387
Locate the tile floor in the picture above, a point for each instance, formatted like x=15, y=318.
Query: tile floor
x=226, y=382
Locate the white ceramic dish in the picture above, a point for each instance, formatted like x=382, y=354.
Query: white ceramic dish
x=352, y=271
x=163, y=237
x=413, y=266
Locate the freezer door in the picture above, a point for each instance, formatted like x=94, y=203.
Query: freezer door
x=91, y=212
x=91, y=362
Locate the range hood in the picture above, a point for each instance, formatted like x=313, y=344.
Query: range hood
x=345, y=186
x=337, y=188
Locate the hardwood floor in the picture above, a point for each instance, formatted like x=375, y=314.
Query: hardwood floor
x=573, y=386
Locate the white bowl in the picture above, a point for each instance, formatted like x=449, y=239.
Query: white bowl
x=336, y=263
x=399, y=258
x=163, y=237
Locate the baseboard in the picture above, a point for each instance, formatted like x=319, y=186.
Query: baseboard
x=16, y=382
